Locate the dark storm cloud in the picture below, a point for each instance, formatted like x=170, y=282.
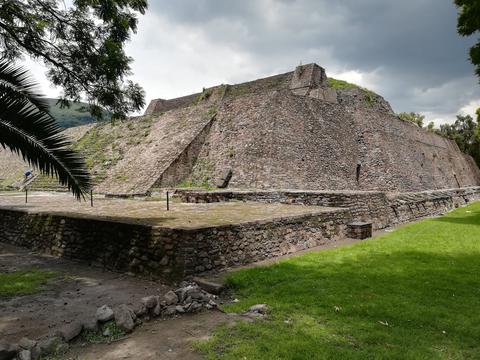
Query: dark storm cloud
x=408, y=50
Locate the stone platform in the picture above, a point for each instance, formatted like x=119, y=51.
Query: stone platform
x=142, y=237
x=383, y=209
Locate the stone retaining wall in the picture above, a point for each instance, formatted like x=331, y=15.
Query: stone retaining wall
x=381, y=208
x=168, y=253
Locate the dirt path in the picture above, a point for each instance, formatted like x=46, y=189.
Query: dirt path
x=77, y=293
x=159, y=339
x=74, y=295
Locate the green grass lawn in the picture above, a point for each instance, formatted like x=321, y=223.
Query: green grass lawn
x=410, y=294
x=23, y=282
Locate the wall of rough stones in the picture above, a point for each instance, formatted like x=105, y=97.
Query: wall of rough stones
x=398, y=155
x=177, y=253
x=277, y=140
x=143, y=164
x=158, y=106
x=168, y=253
x=289, y=131
x=271, y=140
x=381, y=208
x=182, y=166
x=270, y=136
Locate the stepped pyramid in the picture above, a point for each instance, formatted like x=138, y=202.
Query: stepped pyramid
x=298, y=130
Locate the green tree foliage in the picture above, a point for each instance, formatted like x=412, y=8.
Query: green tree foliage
x=465, y=131
x=412, y=117
x=431, y=127
x=469, y=24
x=28, y=129
x=81, y=45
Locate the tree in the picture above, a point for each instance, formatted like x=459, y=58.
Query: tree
x=431, y=127
x=82, y=46
x=28, y=129
x=469, y=24
x=466, y=133
x=412, y=117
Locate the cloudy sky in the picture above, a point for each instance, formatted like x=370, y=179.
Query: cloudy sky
x=408, y=51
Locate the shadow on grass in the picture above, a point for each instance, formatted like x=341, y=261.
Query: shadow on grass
x=403, y=305
x=472, y=218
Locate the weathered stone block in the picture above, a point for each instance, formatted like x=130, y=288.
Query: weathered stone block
x=359, y=230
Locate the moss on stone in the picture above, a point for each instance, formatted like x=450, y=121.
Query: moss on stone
x=345, y=85
x=105, y=144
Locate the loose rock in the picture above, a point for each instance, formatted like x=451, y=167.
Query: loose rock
x=7, y=351
x=259, y=308
x=157, y=310
x=26, y=343
x=170, y=310
x=140, y=309
x=24, y=355
x=209, y=286
x=170, y=298
x=104, y=313
x=125, y=318
x=53, y=345
x=194, y=307
x=90, y=324
x=70, y=331
x=35, y=352
x=150, y=301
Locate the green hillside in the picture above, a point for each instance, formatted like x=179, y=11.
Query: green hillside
x=77, y=114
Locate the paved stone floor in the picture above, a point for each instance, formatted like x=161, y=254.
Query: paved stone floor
x=154, y=212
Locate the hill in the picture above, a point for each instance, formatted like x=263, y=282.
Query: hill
x=77, y=114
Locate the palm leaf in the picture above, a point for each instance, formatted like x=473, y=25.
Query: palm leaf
x=30, y=131
x=16, y=82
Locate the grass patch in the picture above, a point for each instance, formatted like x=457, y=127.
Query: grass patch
x=344, y=85
x=105, y=144
x=341, y=84
x=201, y=177
x=97, y=337
x=410, y=294
x=23, y=282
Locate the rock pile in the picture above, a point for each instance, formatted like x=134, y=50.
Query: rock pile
x=189, y=298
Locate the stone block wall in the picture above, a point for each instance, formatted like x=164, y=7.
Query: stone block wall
x=396, y=155
x=381, y=208
x=277, y=140
x=158, y=106
x=406, y=207
x=308, y=76
x=168, y=253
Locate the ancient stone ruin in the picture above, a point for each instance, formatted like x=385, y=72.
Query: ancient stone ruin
x=291, y=131
x=298, y=138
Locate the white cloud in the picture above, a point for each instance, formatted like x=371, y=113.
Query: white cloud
x=470, y=108
x=419, y=64
x=38, y=71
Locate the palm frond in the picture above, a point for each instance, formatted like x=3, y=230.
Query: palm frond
x=16, y=82
x=33, y=133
